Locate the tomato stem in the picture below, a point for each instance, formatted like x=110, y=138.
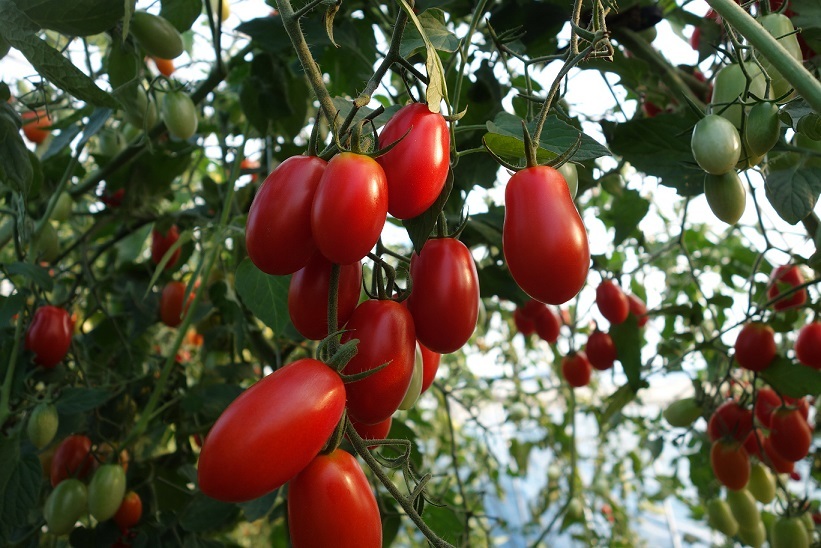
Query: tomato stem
x=333, y=307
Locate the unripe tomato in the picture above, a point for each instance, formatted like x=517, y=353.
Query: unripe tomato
x=780, y=26
x=789, y=532
x=156, y=35
x=47, y=244
x=386, y=333
x=571, y=175
x=36, y=125
x=763, y=128
x=720, y=517
x=164, y=66
x=171, y=303
x=600, y=350
x=65, y=505
x=285, y=418
x=378, y=431
x=612, y=302
x=42, y=424
x=63, y=208
x=544, y=239
x=742, y=504
x=761, y=484
x=430, y=365
x=278, y=230
x=755, y=346
x=808, y=345
x=547, y=324
x=308, y=296
x=415, y=386
x=349, y=208
x=783, y=279
x=106, y=491
x=726, y=196
x=49, y=335
x=683, y=412
x=790, y=434
x=130, y=511
x=161, y=242
x=730, y=420
x=73, y=458
x=330, y=503
x=444, y=302
x=576, y=369
x=755, y=537
x=224, y=11
x=179, y=114
x=715, y=144
x=728, y=87
x=638, y=309
x=731, y=465
x=417, y=167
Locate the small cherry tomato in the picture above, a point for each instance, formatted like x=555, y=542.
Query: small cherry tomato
x=600, y=350
x=576, y=369
x=612, y=302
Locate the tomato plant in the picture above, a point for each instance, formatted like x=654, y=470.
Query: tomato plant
x=716, y=145
x=106, y=491
x=755, y=346
x=576, y=369
x=172, y=308
x=130, y=511
x=49, y=335
x=234, y=463
x=638, y=309
x=73, y=459
x=161, y=243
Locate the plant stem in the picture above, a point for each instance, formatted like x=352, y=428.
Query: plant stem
x=5, y=391
x=791, y=69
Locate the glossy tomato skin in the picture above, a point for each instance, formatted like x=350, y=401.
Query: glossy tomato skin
x=790, y=434
x=330, y=503
x=73, y=458
x=548, y=325
x=350, y=207
x=783, y=279
x=171, y=303
x=130, y=511
x=271, y=431
x=378, y=431
x=49, y=335
x=544, y=239
x=773, y=458
x=417, y=167
x=755, y=346
x=179, y=114
x=161, y=243
x=716, y=144
x=576, y=369
x=808, y=345
x=106, y=491
x=308, y=296
x=730, y=420
x=444, y=302
x=386, y=334
x=638, y=309
x=731, y=464
x=430, y=365
x=278, y=229
x=600, y=350
x=612, y=302
x=767, y=401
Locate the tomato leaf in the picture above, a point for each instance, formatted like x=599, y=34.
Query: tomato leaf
x=420, y=227
x=35, y=273
x=792, y=379
x=259, y=508
x=181, y=13
x=77, y=400
x=206, y=514
x=438, y=35
x=627, y=338
x=15, y=169
x=437, y=87
x=76, y=18
x=19, y=484
x=793, y=192
x=616, y=402
x=625, y=213
x=264, y=295
x=267, y=33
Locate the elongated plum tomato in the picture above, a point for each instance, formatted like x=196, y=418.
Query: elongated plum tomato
x=308, y=296
x=386, y=334
x=808, y=345
x=161, y=242
x=600, y=350
x=638, y=309
x=350, y=207
x=784, y=279
x=172, y=308
x=767, y=401
x=444, y=302
x=612, y=302
x=430, y=365
x=576, y=369
x=755, y=346
x=278, y=230
x=789, y=532
x=790, y=434
x=544, y=239
x=524, y=323
x=130, y=511
x=731, y=464
x=330, y=503
x=417, y=167
x=73, y=459
x=49, y=335
x=271, y=431
x=547, y=325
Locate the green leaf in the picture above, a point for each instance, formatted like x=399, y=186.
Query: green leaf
x=181, y=13
x=626, y=212
x=35, y=273
x=264, y=295
x=437, y=87
x=9, y=306
x=433, y=22
x=616, y=402
x=15, y=169
x=267, y=33
x=259, y=508
x=206, y=514
x=20, y=480
x=627, y=339
x=420, y=227
x=78, y=400
x=75, y=18
x=792, y=379
x=793, y=192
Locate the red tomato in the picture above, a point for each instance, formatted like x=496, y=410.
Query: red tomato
x=73, y=459
x=547, y=325
x=695, y=38
x=638, y=309
x=808, y=345
x=524, y=324
x=612, y=302
x=349, y=208
x=730, y=420
x=754, y=443
x=430, y=365
x=278, y=229
x=115, y=199
x=49, y=335
x=330, y=503
x=308, y=296
x=161, y=243
x=444, y=302
x=416, y=168
x=731, y=464
x=600, y=350
x=271, y=431
x=378, y=431
x=576, y=369
x=130, y=511
x=783, y=279
x=164, y=66
x=773, y=458
x=171, y=306
x=766, y=402
x=790, y=434
x=544, y=239
x=35, y=124
x=755, y=346
x=386, y=334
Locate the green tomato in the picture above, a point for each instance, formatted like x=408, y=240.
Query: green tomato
x=649, y=34
x=106, y=491
x=415, y=388
x=122, y=65
x=728, y=87
x=720, y=517
x=763, y=128
x=762, y=483
x=790, y=533
x=63, y=208
x=42, y=424
x=780, y=26
x=755, y=536
x=726, y=196
x=47, y=245
x=571, y=175
x=179, y=115
x=140, y=109
x=575, y=510
x=742, y=505
x=809, y=524
x=809, y=125
x=157, y=36
x=65, y=505
x=715, y=144
x=111, y=142
x=682, y=413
